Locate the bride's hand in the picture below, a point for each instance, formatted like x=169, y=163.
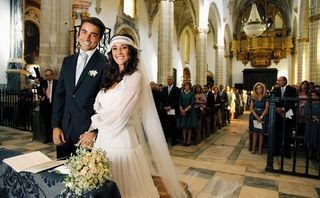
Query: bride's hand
x=87, y=139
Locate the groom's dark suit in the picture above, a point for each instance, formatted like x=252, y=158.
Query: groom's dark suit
x=73, y=104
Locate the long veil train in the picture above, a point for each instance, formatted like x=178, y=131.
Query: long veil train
x=153, y=141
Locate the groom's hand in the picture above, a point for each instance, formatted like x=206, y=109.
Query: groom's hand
x=58, y=136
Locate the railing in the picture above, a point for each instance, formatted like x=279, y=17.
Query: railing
x=295, y=147
x=16, y=109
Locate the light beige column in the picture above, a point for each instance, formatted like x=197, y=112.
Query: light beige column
x=292, y=69
x=303, y=63
x=303, y=44
x=165, y=39
x=219, y=64
x=55, y=28
x=314, y=35
x=228, y=70
x=202, y=66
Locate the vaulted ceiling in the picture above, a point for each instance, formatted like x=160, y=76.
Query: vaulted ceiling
x=242, y=6
x=184, y=11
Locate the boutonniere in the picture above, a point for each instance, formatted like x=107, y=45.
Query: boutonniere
x=93, y=73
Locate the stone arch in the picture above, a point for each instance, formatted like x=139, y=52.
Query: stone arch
x=214, y=20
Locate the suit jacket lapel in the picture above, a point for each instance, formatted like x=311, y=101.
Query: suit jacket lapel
x=89, y=65
x=74, y=69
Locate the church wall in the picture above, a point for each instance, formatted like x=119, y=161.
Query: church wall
x=177, y=60
x=238, y=67
x=192, y=64
x=5, y=43
x=148, y=45
x=108, y=13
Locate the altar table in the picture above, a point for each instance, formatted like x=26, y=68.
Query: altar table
x=44, y=184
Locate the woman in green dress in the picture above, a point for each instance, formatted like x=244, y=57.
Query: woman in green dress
x=187, y=119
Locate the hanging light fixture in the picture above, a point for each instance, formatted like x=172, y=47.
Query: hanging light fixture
x=254, y=26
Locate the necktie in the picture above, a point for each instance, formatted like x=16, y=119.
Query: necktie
x=169, y=90
x=282, y=91
x=81, y=65
x=48, y=91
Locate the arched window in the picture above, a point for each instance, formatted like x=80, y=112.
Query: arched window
x=129, y=7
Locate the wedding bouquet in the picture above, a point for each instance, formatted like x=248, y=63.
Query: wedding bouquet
x=89, y=170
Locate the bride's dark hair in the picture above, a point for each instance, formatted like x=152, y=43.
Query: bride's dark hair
x=113, y=74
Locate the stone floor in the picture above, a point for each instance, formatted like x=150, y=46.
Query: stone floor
x=220, y=166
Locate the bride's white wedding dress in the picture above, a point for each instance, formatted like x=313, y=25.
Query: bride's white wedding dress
x=116, y=115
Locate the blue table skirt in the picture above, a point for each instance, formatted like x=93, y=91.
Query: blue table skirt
x=43, y=184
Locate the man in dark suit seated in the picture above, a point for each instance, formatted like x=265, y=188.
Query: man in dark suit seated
x=80, y=80
x=284, y=109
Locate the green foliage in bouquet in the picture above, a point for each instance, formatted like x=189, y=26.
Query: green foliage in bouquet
x=89, y=169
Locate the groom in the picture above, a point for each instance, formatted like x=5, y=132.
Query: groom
x=80, y=80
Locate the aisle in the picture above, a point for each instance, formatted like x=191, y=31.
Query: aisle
x=223, y=166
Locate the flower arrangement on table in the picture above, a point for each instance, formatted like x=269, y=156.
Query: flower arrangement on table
x=89, y=169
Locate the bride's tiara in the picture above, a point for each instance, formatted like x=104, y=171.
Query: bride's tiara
x=121, y=39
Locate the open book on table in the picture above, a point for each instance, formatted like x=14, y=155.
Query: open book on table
x=33, y=162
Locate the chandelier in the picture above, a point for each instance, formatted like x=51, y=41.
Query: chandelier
x=254, y=26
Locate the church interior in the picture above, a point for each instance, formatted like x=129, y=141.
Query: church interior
x=233, y=43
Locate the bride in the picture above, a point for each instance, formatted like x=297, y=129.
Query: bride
x=128, y=126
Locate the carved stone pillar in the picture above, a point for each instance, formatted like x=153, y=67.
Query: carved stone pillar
x=219, y=64
x=165, y=39
x=202, y=67
x=292, y=69
x=15, y=62
x=228, y=70
x=303, y=43
x=303, y=63
x=54, y=33
x=314, y=32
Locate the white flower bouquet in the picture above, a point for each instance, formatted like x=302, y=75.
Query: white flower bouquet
x=89, y=169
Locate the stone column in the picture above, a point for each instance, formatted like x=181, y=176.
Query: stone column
x=202, y=67
x=292, y=69
x=15, y=62
x=303, y=44
x=229, y=70
x=165, y=39
x=314, y=36
x=55, y=28
x=219, y=65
